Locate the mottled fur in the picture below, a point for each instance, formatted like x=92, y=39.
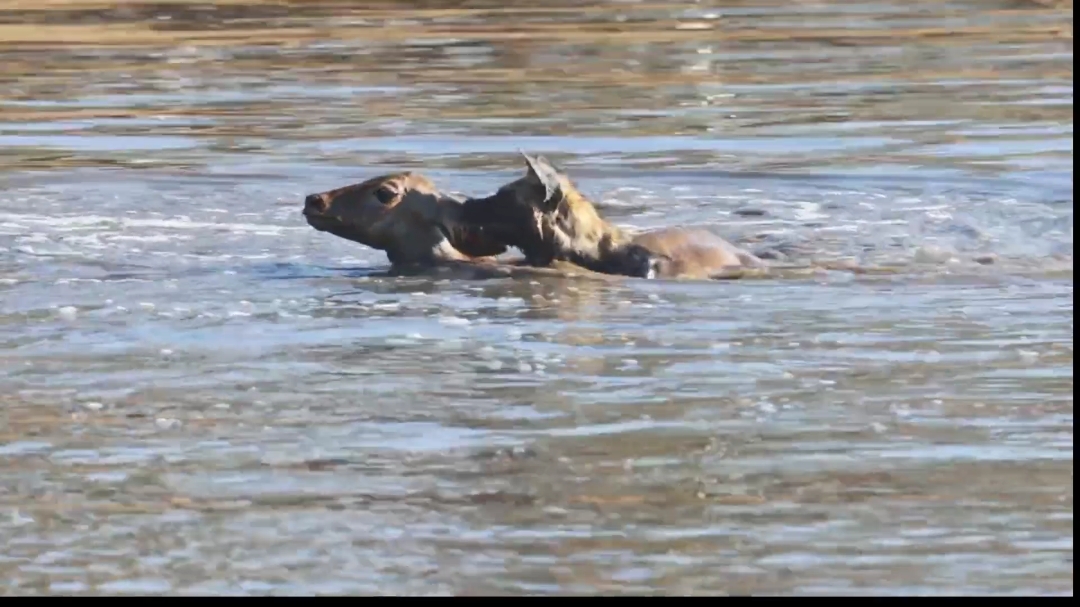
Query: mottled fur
x=545, y=216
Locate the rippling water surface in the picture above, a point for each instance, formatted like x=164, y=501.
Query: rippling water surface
x=201, y=394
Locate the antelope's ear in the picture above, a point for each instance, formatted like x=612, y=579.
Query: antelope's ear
x=544, y=174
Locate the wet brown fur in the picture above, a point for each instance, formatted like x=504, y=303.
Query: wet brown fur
x=403, y=214
x=419, y=228
x=548, y=218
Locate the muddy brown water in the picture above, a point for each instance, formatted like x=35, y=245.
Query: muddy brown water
x=200, y=394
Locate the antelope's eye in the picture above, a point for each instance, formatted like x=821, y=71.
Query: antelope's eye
x=385, y=195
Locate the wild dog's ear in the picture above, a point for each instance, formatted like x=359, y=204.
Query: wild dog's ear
x=545, y=174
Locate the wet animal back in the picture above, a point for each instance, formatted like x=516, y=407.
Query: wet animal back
x=695, y=251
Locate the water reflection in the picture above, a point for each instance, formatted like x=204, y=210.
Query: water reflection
x=200, y=394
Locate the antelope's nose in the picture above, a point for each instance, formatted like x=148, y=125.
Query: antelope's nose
x=314, y=204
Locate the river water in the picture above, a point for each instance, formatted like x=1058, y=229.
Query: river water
x=201, y=394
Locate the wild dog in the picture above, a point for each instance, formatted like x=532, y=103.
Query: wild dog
x=545, y=216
